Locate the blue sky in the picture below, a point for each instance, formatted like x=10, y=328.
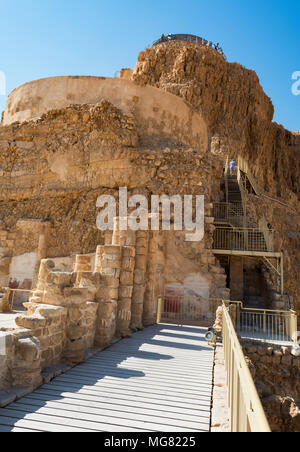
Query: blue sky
x=42, y=38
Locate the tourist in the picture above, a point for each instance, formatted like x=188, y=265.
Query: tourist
x=232, y=167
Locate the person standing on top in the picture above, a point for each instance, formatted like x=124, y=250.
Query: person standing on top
x=232, y=166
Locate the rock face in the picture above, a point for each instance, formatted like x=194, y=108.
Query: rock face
x=239, y=120
x=237, y=111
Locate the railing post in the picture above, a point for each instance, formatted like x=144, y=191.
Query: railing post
x=294, y=328
x=281, y=274
x=246, y=411
x=159, y=309
x=265, y=324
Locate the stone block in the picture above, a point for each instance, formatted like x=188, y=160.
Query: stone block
x=139, y=276
x=287, y=360
x=128, y=264
x=108, y=293
x=128, y=251
x=105, y=311
x=125, y=291
x=31, y=322
x=60, y=279
x=74, y=332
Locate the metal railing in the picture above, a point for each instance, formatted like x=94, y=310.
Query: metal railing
x=243, y=239
x=268, y=233
x=253, y=323
x=187, y=310
x=244, y=167
x=188, y=38
x=12, y=293
x=267, y=325
x=246, y=411
x=232, y=213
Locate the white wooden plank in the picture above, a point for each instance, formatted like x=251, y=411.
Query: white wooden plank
x=160, y=380
x=7, y=429
x=152, y=394
x=38, y=425
x=35, y=399
x=101, y=417
x=77, y=381
x=117, y=398
x=94, y=379
x=193, y=372
x=62, y=420
x=140, y=374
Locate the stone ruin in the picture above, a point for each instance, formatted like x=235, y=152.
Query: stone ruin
x=165, y=127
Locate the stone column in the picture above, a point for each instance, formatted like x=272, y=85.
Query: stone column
x=139, y=284
x=108, y=263
x=149, y=314
x=125, y=292
x=127, y=240
x=42, y=248
x=82, y=264
x=38, y=295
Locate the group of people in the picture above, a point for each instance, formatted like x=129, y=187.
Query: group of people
x=203, y=41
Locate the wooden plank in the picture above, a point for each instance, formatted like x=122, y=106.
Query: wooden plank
x=63, y=421
x=7, y=429
x=150, y=369
x=110, y=373
x=117, y=395
x=195, y=371
x=138, y=387
x=95, y=378
x=45, y=394
x=127, y=392
x=37, y=425
x=124, y=407
x=112, y=418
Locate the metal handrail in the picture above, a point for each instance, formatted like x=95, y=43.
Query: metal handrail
x=246, y=411
x=187, y=308
x=229, y=212
x=243, y=239
x=243, y=166
x=188, y=38
x=266, y=324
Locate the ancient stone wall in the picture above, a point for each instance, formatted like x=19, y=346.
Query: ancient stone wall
x=276, y=372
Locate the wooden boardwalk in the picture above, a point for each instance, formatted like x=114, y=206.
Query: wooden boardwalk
x=160, y=380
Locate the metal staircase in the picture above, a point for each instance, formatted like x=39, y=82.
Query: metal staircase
x=232, y=235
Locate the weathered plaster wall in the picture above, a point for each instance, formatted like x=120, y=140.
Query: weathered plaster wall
x=158, y=113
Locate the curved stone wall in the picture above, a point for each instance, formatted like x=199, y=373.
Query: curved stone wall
x=156, y=112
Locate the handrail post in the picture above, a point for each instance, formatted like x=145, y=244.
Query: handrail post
x=243, y=400
x=159, y=309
